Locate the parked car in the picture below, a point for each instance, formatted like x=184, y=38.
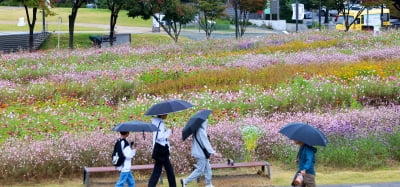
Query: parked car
x=91, y=5
x=308, y=14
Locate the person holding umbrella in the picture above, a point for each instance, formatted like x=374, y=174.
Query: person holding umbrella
x=161, y=152
x=123, y=152
x=201, y=147
x=306, y=136
x=306, y=161
x=161, y=145
x=125, y=169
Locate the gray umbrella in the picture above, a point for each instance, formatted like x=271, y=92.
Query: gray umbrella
x=194, y=123
x=135, y=126
x=168, y=106
x=304, y=133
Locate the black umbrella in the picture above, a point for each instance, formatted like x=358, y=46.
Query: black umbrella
x=194, y=123
x=304, y=133
x=168, y=106
x=135, y=126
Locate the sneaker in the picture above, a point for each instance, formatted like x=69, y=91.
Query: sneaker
x=182, y=183
x=209, y=185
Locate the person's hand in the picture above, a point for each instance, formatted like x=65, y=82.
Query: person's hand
x=303, y=172
x=296, y=161
x=217, y=155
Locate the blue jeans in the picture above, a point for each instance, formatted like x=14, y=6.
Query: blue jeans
x=126, y=177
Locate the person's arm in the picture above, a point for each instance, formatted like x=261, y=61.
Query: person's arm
x=129, y=152
x=309, y=156
x=202, y=136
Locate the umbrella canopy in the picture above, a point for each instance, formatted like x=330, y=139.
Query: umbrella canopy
x=194, y=123
x=168, y=106
x=135, y=126
x=304, y=133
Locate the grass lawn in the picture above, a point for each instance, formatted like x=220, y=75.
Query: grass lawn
x=50, y=28
x=85, y=15
x=81, y=40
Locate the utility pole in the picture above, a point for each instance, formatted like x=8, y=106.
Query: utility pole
x=382, y=16
x=319, y=16
x=297, y=15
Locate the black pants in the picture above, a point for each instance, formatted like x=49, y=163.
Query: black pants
x=157, y=173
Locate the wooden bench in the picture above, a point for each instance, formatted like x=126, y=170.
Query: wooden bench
x=262, y=164
x=104, y=40
x=88, y=170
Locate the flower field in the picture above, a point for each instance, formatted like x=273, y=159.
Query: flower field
x=57, y=107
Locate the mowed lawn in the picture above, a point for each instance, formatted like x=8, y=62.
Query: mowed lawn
x=10, y=15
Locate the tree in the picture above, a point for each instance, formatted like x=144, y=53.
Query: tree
x=114, y=6
x=396, y=4
x=346, y=9
x=210, y=10
x=175, y=13
x=246, y=7
x=364, y=4
x=76, y=4
x=35, y=5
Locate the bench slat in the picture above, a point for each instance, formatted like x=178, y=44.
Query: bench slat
x=240, y=164
x=88, y=170
x=112, y=168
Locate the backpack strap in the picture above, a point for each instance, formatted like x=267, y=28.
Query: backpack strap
x=157, y=131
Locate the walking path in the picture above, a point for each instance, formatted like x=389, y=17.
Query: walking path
x=388, y=184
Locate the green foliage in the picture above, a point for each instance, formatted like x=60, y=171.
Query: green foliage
x=81, y=41
x=211, y=11
x=250, y=135
x=159, y=76
x=394, y=145
x=363, y=152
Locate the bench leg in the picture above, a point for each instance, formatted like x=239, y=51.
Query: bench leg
x=86, y=178
x=268, y=171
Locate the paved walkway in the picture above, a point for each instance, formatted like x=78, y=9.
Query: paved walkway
x=389, y=184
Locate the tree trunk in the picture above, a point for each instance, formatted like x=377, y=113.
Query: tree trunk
x=244, y=18
x=113, y=21
x=31, y=26
x=236, y=19
x=326, y=16
x=71, y=22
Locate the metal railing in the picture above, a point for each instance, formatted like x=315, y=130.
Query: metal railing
x=20, y=42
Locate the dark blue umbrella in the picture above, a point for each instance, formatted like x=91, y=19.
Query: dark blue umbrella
x=135, y=126
x=168, y=106
x=194, y=123
x=304, y=133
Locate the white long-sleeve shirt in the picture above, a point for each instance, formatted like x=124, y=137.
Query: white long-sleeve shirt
x=163, y=133
x=129, y=153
